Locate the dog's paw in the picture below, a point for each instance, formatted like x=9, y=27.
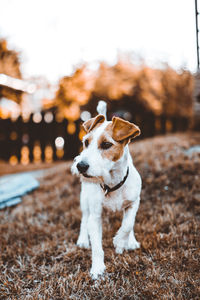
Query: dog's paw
x=119, y=244
x=132, y=242
x=83, y=243
x=119, y=250
x=132, y=245
x=97, y=271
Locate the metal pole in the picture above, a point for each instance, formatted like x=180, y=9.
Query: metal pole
x=197, y=33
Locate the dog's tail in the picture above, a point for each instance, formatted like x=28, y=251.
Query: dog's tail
x=102, y=108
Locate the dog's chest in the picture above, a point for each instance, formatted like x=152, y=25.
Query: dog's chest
x=114, y=201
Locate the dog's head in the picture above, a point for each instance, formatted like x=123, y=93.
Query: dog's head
x=103, y=145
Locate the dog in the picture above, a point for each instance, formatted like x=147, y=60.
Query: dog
x=108, y=178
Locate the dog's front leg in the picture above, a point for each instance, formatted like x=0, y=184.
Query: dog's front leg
x=83, y=240
x=125, y=238
x=95, y=233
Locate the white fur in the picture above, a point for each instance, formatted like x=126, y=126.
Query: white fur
x=92, y=199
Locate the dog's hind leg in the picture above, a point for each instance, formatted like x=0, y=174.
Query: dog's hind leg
x=125, y=238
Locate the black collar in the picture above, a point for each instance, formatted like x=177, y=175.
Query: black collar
x=108, y=190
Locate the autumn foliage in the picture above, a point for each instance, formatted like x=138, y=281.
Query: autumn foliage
x=160, y=91
x=9, y=65
x=9, y=61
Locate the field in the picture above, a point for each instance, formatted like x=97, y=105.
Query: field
x=39, y=258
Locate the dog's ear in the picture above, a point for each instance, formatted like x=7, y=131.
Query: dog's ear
x=91, y=123
x=123, y=130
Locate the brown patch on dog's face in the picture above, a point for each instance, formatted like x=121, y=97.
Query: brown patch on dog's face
x=116, y=149
x=87, y=140
x=117, y=134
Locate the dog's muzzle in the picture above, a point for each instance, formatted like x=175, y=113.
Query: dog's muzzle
x=82, y=166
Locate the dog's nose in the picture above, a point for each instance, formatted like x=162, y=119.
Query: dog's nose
x=82, y=166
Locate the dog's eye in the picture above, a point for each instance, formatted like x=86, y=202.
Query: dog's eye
x=86, y=143
x=105, y=145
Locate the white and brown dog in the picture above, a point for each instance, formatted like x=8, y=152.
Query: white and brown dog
x=109, y=179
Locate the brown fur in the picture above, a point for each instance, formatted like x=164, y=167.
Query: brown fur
x=116, y=151
x=92, y=123
x=127, y=204
x=123, y=130
x=89, y=138
x=119, y=130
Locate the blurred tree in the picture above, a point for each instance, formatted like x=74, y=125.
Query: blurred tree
x=9, y=61
x=125, y=86
x=9, y=65
x=73, y=92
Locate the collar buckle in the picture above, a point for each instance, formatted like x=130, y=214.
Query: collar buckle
x=108, y=190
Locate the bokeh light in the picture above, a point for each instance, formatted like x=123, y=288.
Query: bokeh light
x=24, y=155
x=13, y=160
x=85, y=115
x=71, y=128
x=37, y=117
x=48, y=152
x=59, y=142
x=37, y=153
x=48, y=117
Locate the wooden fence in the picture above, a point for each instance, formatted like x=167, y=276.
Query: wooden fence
x=48, y=140
x=38, y=140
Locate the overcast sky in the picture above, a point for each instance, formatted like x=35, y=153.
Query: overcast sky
x=54, y=36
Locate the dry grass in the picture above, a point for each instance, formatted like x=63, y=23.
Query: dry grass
x=39, y=258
